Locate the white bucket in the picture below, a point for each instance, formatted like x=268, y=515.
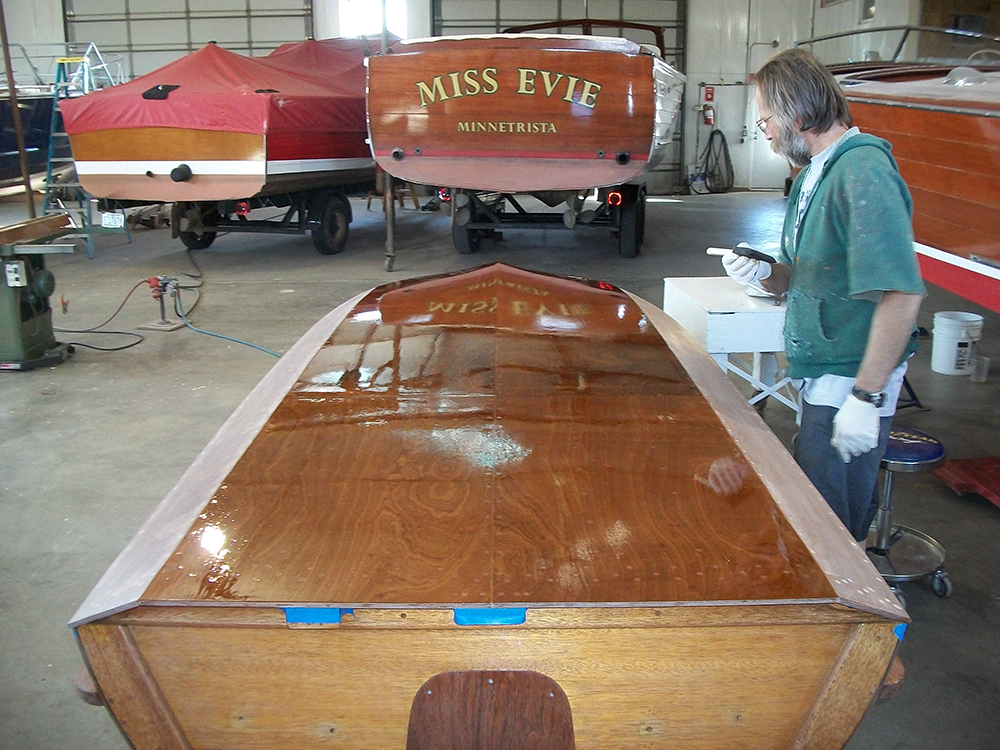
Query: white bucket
x=954, y=343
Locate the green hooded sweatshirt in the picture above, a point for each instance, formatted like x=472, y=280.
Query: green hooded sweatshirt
x=854, y=242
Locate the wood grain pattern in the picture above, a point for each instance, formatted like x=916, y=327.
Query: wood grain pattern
x=33, y=229
x=509, y=710
x=711, y=688
x=503, y=463
x=167, y=144
x=130, y=692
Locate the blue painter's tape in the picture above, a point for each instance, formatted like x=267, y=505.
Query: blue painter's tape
x=491, y=616
x=899, y=630
x=315, y=615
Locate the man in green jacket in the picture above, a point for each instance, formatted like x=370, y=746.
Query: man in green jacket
x=850, y=273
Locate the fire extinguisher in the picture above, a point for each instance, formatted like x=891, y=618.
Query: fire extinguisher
x=708, y=113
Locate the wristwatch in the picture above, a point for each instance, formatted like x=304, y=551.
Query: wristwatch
x=877, y=399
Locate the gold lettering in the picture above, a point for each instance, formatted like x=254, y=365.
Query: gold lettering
x=430, y=94
x=493, y=127
x=520, y=127
x=527, y=81
x=490, y=85
x=472, y=85
x=550, y=85
x=463, y=127
x=440, y=307
x=588, y=96
x=503, y=127
x=571, y=82
x=480, y=127
x=519, y=307
x=480, y=307
x=455, y=90
x=542, y=310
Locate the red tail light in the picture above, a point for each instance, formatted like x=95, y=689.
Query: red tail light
x=242, y=208
x=614, y=198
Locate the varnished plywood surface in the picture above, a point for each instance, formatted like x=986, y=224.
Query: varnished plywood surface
x=514, y=114
x=710, y=688
x=167, y=144
x=492, y=438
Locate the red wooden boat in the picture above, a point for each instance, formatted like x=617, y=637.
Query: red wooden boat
x=219, y=134
x=491, y=509
x=519, y=113
x=936, y=98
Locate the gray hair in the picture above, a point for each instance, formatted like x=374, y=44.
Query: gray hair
x=802, y=93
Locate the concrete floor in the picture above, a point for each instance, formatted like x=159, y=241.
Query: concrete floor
x=88, y=448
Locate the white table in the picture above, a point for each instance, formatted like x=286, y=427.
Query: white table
x=725, y=320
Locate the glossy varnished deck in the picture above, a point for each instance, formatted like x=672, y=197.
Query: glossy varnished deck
x=489, y=440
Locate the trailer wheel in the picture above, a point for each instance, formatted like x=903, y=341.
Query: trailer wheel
x=466, y=240
x=196, y=239
x=330, y=237
x=628, y=228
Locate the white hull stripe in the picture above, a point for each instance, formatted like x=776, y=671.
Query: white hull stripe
x=230, y=168
x=957, y=260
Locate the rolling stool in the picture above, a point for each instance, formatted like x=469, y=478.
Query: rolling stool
x=899, y=552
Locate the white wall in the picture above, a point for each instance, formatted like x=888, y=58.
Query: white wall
x=34, y=21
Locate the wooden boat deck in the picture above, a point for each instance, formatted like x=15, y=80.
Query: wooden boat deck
x=491, y=473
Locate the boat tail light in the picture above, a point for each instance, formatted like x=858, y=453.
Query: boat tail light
x=242, y=208
x=614, y=198
x=444, y=194
x=605, y=286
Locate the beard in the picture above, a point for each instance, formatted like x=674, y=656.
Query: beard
x=791, y=145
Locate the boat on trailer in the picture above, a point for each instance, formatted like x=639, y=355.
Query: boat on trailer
x=219, y=134
x=491, y=509
x=935, y=95
x=552, y=115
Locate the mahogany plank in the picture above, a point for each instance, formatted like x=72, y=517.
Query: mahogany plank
x=490, y=711
x=167, y=144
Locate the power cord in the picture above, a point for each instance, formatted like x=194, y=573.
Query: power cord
x=716, y=165
x=175, y=291
x=96, y=329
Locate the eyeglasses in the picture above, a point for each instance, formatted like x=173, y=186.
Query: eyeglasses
x=762, y=123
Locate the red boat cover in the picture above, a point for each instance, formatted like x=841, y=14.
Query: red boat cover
x=310, y=86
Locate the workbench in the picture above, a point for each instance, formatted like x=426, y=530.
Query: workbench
x=725, y=320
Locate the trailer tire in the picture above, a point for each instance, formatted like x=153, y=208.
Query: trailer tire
x=330, y=237
x=466, y=240
x=192, y=239
x=628, y=228
x=195, y=241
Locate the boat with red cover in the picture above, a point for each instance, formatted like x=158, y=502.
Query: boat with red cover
x=216, y=127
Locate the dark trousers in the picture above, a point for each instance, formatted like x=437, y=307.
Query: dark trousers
x=849, y=488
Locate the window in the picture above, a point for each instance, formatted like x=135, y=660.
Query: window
x=358, y=17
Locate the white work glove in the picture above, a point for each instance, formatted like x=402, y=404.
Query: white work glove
x=745, y=270
x=855, y=428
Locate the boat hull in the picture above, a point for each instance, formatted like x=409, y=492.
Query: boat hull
x=493, y=478
x=522, y=114
x=136, y=164
x=946, y=141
